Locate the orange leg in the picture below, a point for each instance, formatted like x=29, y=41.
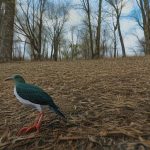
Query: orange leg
x=35, y=126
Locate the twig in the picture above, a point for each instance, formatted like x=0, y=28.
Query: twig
x=71, y=138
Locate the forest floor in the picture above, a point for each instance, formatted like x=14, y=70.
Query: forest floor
x=106, y=102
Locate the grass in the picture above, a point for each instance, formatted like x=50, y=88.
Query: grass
x=107, y=103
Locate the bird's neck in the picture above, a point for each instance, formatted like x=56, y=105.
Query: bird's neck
x=19, y=81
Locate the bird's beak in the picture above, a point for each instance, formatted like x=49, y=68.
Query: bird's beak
x=9, y=78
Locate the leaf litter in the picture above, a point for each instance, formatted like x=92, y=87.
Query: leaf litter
x=107, y=104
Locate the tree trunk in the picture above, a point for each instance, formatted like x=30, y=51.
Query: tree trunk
x=121, y=39
x=90, y=28
x=115, y=4
x=7, y=45
x=98, y=36
x=24, y=51
x=115, y=44
x=55, y=56
x=52, y=50
x=2, y=33
x=42, y=4
x=145, y=11
x=147, y=26
x=115, y=39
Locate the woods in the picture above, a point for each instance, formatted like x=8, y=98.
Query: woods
x=42, y=29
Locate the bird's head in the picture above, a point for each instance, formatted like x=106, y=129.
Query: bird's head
x=16, y=78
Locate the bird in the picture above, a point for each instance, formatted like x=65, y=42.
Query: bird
x=34, y=96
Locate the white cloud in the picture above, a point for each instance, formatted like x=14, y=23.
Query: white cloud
x=76, y=1
x=74, y=17
x=130, y=38
x=127, y=25
x=129, y=29
x=129, y=5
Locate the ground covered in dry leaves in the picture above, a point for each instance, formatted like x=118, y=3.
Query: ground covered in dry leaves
x=107, y=103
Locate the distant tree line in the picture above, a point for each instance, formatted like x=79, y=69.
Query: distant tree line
x=39, y=29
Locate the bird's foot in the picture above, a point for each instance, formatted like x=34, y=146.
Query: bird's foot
x=28, y=129
x=35, y=126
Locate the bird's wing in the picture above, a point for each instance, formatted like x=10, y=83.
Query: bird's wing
x=34, y=94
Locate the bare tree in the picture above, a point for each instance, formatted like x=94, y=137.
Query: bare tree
x=98, y=34
x=114, y=35
x=118, y=6
x=72, y=30
x=29, y=23
x=74, y=42
x=87, y=9
x=84, y=42
x=58, y=16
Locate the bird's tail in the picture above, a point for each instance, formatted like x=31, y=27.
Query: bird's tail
x=58, y=112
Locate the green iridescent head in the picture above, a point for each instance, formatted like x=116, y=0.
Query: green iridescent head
x=16, y=78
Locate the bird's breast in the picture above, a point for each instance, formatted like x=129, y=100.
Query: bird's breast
x=23, y=101
x=19, y=98
x=26, y=102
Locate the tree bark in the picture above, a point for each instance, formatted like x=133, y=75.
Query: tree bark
x=90, y=28
x=8, y=30
x=145, y=11
x=121, y=38
x=55, y=56
x=115, y=43
x=147, y=26
x=98, y=36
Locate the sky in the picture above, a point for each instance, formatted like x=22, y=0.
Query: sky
x=128, y=26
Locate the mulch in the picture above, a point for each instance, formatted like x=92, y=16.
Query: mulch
x=106, y=102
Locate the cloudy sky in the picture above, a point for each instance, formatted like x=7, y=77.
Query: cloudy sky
x=128, y=26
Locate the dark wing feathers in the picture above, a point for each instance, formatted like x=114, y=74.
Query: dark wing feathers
x=34, y=94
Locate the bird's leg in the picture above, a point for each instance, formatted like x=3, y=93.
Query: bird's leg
x=38, y=123
x=37, y=119
x=35, y=126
